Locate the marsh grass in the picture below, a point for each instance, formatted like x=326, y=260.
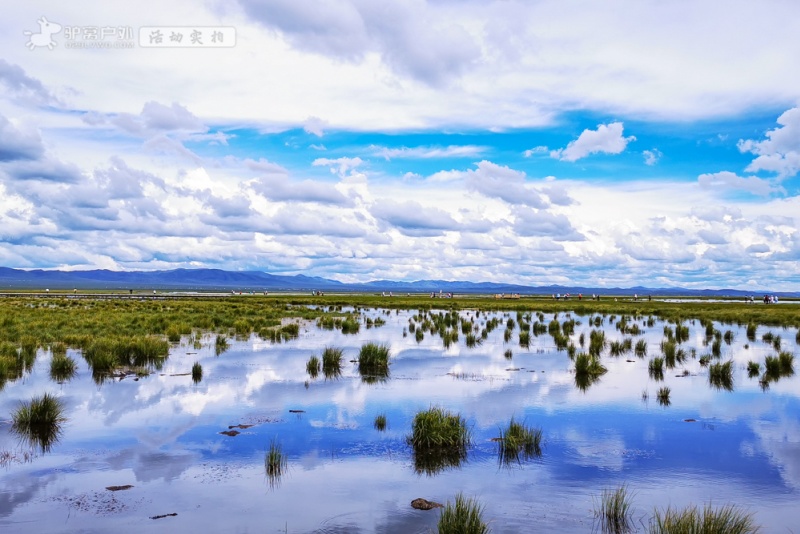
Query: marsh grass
x=313, y=366
x=332, y=362
x=275, y=463
x=464, y=516
x=508, y=354
x=197, y=372
x=38, y=423
x=524, y=339
x=373, y=362
x=588, y=370
x=615, y=510
x=663, y=396
x=62, y=367
x=519, y=442
x=439, y=439
x=641, y=348
x=380, y=422
x=728, y=519
x=720, y=375
x=220, y=345
x=753, y=369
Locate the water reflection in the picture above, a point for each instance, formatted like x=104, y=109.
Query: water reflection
x=161, y=432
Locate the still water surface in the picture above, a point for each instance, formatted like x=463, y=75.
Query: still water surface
x=161, y=434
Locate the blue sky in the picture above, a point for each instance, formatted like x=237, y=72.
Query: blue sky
x=616, y=144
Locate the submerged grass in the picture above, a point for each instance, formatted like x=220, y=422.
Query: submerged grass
x=313, y=366
x=373, y=362
x=464, y=516
x=720, y=375
x=197, y=372
x=38, y=423
x=519, y=442
x=615, y=510
x=663, y=396
x=380, y=422
x=62, y=367
x=439, y=439
x=275, y=463
x=332, y=362
x=728, y=519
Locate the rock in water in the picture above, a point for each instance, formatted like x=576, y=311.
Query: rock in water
x=422, y=504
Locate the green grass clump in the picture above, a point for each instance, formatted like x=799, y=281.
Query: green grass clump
x=62, y=367
x=350, y=325
x=518, y=440
x=663, y=396
x=373, y=362
x=38, y=422
x=332, y=362
x=753, y=368
x=313, y=366
x=720, y=375
x=751, y=331
x=465, y=516
x=275, y=463
x=439, y=439
x=641, y=348
x=220, y=345
x=587, y=365
x=380, y=422
x=197, y=372
x=728, y=519
x=524, y=339
x=615, y=510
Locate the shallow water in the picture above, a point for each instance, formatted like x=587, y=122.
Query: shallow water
x=161, y=434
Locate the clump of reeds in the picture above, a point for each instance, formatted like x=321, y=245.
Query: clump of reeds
x=332, y=362
x=663, y=396
x=524, y=339
x=508, y=354
x=313, y=366
x=519, y=441
x=380, y=422
x=350, y=325
x=641, y=348
x=220, y=345
x=373, y=362
x=753, y=368
x=587, y=365
x=728, y=519
x=615, y=510
x=465, y=516
x=776, y=367
x=720, y=375
x=62, y=367
x=439, y=439
x=39, y=422
x=275, y=462
x=197, y=372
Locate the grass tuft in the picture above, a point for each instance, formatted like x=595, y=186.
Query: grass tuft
x=373, y=362
x=519, y=442
x=275, y=463
x=728, y=519
x=465, y=516
x=380, y=422
x=439, y=440
x=332, y=362
x=313, y=366
x=615, y=510
x=38, y=422
x=197, y=372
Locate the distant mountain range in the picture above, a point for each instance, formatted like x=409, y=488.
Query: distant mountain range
x=220, y=280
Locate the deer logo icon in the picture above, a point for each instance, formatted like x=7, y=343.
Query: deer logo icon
x=45, y=36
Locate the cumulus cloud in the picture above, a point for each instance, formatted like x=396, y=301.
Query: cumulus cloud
x=154, y=119
x=22, y=87
x=780, y=151
x=607, y=139
x=428, y=152
x=540, y=223
x=413, y=218
x=18, y=144
x=401, y=32
x=340, y=166
x=727, y=180
x=651, y=157
x=315, y=126
x=280, y=188
x=509, y=185
x=536, y=150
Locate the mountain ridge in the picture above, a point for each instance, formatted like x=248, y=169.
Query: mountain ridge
x=218, y=279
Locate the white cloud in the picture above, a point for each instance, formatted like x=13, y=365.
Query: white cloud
x=340, y=166
x=726, y=180
x=509, y=185
x=780, y=151
x=425, y=152
x=606, y=139
x=651, y=157
x=536, y=150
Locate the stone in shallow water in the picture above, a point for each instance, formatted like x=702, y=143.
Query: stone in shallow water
x=422, y=504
